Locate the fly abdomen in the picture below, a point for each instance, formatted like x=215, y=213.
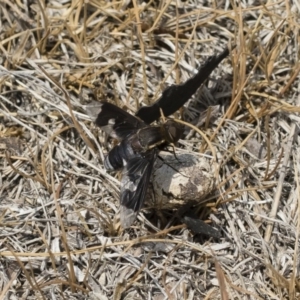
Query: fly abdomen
x=118, y=156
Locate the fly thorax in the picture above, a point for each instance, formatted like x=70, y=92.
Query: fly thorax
x=150, y=137
x=136, y=144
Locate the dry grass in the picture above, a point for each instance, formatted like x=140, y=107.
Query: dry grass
x=60, y=235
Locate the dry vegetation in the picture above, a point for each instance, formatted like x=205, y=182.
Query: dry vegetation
x=60, y=233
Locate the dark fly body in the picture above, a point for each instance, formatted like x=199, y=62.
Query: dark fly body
x=139, y=141
x=135, y=153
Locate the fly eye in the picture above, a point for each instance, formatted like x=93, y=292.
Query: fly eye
x=172, y=132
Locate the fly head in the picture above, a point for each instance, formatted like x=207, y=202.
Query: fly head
x=173, y=131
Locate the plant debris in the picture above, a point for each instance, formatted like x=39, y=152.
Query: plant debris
x=60, y=228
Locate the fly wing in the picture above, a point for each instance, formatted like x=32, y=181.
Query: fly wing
x=134, y=184
x=115, y=121
x=175, y=96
